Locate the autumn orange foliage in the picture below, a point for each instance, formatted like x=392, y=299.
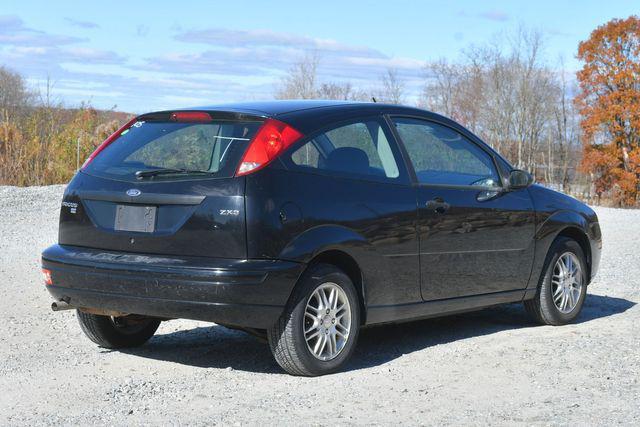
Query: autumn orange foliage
x=609, y=104
x=47, y=144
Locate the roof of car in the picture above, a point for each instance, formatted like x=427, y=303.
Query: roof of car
x=274, y=108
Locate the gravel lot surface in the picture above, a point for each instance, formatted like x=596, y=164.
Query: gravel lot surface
x=489, y=367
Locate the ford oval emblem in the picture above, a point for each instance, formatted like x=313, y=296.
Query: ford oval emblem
x=133, y=192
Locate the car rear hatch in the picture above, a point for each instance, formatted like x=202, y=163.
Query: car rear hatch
x=166, y=183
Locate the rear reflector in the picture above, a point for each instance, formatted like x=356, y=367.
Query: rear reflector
x=108, y=141
x=46, y=275
x=191, y=116
x=272, y=139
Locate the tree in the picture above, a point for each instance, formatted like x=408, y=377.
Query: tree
x=14, y=95
x=41, y=141
x=341, y=91
x=565, y=140
x=301, y=80
x=508, y=96
x=392, y=90
x=14, y=99
x=442, y=91
x=609, y=103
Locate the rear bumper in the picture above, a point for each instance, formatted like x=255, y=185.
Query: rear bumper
x=249, y=293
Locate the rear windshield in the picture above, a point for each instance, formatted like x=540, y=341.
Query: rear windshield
x=210, y=149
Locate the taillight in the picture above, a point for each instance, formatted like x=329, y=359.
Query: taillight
x=46, y=275
x=272, y=138
x=191, y=116
x=108, y=141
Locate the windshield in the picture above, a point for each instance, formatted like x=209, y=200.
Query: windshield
x=197, y=149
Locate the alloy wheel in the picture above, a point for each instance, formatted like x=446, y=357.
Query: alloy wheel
x=566, y=282
x=327, y=321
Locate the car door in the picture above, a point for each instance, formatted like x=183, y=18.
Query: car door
x=475, y=237
x=351, y=176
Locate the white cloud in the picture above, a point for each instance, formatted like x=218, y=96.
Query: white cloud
x=82, y=24
x=14, y=32
x=491, y=15
x=494, y=15
x=260, y=54
x=216, y=66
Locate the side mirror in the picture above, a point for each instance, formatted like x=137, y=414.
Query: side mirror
x=519, y=179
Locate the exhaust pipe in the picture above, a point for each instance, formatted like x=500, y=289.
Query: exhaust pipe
x=61, y=305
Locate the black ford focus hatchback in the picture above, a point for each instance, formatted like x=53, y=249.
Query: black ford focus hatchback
x=303, y=221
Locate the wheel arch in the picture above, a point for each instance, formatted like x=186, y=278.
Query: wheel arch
x=314, y=241
x=580, y=236
x=565, y=223
x=332, y=244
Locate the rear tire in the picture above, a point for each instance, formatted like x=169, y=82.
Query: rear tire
x=117, y=332
x=319, y=327
x=560, y=294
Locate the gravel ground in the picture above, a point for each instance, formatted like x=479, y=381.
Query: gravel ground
x=488, y=367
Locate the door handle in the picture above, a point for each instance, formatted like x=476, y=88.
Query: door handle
x=438, y=205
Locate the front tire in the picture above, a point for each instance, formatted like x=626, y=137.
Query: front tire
x=563, y=285
x=319, y=327
x=117, y=332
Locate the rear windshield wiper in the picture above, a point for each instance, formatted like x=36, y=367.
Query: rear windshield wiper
x=168, y=171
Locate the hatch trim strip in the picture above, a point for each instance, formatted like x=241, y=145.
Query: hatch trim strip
x=142, y=199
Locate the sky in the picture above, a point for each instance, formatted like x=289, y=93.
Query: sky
x=149, y=55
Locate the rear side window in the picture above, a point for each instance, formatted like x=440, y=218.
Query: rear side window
x=214, y=148
x=359, y=149
x=441, y=155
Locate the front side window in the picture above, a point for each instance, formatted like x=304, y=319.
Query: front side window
x=441, y=155
x=360, y=149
